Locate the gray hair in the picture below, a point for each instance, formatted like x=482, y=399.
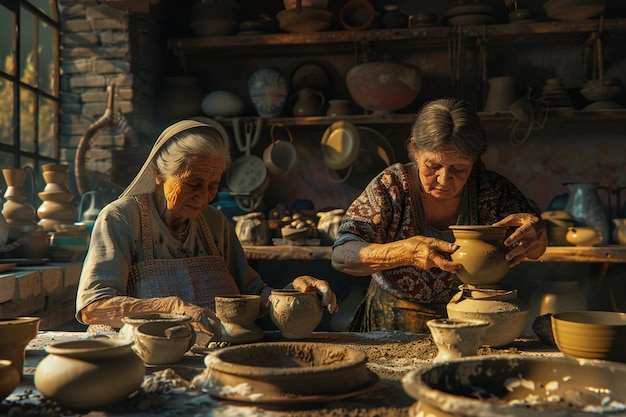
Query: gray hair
x=173, y=157
x=448, y=122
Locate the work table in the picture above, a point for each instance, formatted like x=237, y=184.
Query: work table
x=390, y=356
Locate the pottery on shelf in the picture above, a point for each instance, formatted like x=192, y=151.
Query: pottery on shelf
x=456, y=338
x=222, y=103
x=89, y=373
x=481, y=252
x=585, y=206
x=584, y=236
x=34, y=243
x=237, y=314
x=253, y=229
x=338, y=107
x=307, y=102
x=502, y=93
x=161, y=343
x=268, y=89
x=357, y=15
x=384, y=86
x=15, y=334
x=57, y=207
x=16, y=210
x=296, y=314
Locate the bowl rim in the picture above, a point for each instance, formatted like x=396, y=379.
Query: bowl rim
x=591, y=318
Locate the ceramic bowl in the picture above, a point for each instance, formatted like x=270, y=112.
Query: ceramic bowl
x=310, y=19
x=591, y=334
x=514, y=385
x=583, y=235
x=9, y=378
x=160, y=343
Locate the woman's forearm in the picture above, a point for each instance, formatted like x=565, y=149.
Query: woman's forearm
x=362, y=258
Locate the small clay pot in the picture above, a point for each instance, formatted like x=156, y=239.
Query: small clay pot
x=295, y=313
x=15, y=334
x=131, y=323
x=456, y=338
x=160, y=343
x=238, y=314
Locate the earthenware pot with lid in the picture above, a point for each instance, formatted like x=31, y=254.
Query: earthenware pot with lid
x=89, y=372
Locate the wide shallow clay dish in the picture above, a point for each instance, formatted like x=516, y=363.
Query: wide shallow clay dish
x=517, y=386
x=283, y=372
x=591, y=334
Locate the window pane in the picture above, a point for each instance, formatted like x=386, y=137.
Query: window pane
x=43, y=5
x=27, y=47
x=6, y=161
x=47, y=57
x=7, y=32
x=48, y=112
x=6, y=115
x=28, y=99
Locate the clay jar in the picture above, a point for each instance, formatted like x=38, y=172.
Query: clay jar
x=89, y=373
x=456, y=338
x=481, y=252
x=15, y=334
x=307, y=102
x=238, y=314
x=338, y=107
x=296, y=314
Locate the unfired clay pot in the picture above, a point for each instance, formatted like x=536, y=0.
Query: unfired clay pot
x=131, y=323
x=89, y=373
x=295, y=313
x=238, y=314
x=160, y=343
x=456, y=338
x=15, y=334
x=481, y=251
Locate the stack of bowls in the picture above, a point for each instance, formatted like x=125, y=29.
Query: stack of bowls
x=554, y=94
x=569, y=10
x=304, y=16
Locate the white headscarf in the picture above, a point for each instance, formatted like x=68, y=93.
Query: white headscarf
x=145, y=181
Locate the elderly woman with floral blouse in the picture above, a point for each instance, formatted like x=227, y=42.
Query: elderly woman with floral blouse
x=397, y=230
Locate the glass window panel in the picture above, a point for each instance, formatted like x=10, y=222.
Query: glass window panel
x=7, y=38
x=27, y=48
x=6, y=115
x=28, y=101
x=48, y=111
x=7, y=160
x=47, y=57
x=43, y=5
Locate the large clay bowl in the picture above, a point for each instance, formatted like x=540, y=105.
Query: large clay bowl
x=15, y=333
x=591, y=334
x=481, y=252
x=384, y=86
x=276, y=371
x=513, y=386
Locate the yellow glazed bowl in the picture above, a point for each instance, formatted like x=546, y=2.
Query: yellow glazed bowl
x=583, y=236
x=591, y=334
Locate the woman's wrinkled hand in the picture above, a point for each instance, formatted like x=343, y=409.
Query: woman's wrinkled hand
x=429, y=252
x=306, y=283
x=529, y=240
x=204, y=321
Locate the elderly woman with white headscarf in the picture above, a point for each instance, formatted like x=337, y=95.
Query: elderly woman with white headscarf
x=162, y=248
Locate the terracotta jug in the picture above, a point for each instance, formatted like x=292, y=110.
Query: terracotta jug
x=307, y=102
x=585, y=206
x=89, y=372
x=296, y=314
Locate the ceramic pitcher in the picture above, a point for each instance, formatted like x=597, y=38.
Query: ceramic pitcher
x=585, y=206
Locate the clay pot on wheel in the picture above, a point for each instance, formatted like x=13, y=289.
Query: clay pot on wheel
x=295, y=313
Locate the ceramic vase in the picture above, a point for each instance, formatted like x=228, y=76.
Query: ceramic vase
x=238, y=314
x=456, y=338
x=585, y=206
x=57, y=208
x=296, y=314
x=384, y=86
x=15, y=334
x=17, y=210
x=501, y=307
x=89, y=373
x=181, y=98
x=307, y=102
x=481, y=252
x=268, y=89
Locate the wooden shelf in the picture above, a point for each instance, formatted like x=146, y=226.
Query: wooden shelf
x=436, y=36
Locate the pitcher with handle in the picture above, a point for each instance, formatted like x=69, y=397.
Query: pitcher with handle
x=585, y=206
x=88, y=217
